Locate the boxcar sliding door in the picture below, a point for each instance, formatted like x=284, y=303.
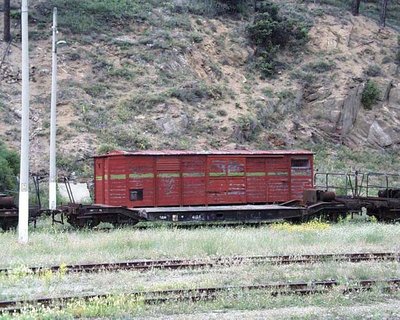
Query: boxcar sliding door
x=226, y=180
x=256, y=175
x=168, y=181
x=193, y=180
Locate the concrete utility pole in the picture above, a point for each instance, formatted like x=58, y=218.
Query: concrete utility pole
x=53, y=121
x=23, y=207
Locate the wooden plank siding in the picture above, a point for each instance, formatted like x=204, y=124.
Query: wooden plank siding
x=161, y=180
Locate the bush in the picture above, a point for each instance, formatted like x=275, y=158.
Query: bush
x=320, y=66
x=222, y=113
x=212, y=8
x=370, y=95
x=105, y=148
x=373, y=70
x=95, y=15
x=9, y=169
x=195, y=91
x=271, y=32
x=246, y=129
x=126, y=137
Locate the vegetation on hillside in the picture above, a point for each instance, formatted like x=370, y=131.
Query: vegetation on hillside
x=272, y=31
x=370, y=94
x=9, y=168
x=182, y=74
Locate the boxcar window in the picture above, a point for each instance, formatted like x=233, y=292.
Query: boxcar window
x=300, y=163
x=136, y=194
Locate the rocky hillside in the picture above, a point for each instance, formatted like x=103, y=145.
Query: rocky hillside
x=182, y=74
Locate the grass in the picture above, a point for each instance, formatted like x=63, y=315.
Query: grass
x=234, y=304
x=96, y=15
x=54, y=246
x=18, y=286
x=60, y=245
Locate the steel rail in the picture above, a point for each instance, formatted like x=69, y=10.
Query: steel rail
x=204, y=294
x=144, y=265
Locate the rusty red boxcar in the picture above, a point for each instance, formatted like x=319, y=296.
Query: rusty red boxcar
x=190, y=178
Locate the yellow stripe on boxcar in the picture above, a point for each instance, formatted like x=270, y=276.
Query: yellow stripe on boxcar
x=117, y=176
x=141, y=175
x=193, y=174
x=169, y=175
x=256, y=174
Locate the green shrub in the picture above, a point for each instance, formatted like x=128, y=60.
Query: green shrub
x=127, y=138
x=373, y=70
x=9, y=168
x=320, y=66
x=143, y=101
x=196, y=37
x=306, y=77
x=246, y=129
x=105, y=148
x=123, y=73
x=212, y=8
x=97, y=90
x=96, y=15
x=196, y=91
x=222, y=113
x=397, y=58
x=271, y=32
x=370, y=95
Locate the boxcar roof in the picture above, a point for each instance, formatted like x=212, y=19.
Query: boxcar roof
x=209, y=152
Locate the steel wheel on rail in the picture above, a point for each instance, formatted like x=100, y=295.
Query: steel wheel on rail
x=8, y=224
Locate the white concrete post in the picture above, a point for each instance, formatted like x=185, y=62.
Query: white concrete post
x=53, y=120
x=23, y=207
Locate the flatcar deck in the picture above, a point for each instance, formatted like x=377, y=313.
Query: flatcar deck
x=221, y=213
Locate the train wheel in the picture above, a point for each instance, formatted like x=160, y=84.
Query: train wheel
x=8, y=224
x=124, y=222
x=83, y=223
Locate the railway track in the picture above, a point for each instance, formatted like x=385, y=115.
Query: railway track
x=143, y=265
x=204, y=294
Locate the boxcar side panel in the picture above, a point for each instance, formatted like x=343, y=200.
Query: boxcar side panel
x=216, y=180
x=236, y=180
x=168, y=181
x=256, y=185
x=99, y=196
x=141, y=189
x=147, y=180
x=193, y=172
x=106, y=181
x=278, y=178
x=301, y=175
x=117, y=181
x=226, y=180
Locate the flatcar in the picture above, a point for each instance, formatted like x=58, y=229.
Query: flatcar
x=244, y=186
x=195, y=186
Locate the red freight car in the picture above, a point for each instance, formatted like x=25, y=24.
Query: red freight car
x=189, y=178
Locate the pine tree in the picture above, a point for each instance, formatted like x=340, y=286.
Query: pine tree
x=355, y=10
x=382, y=17
x=7, y=33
